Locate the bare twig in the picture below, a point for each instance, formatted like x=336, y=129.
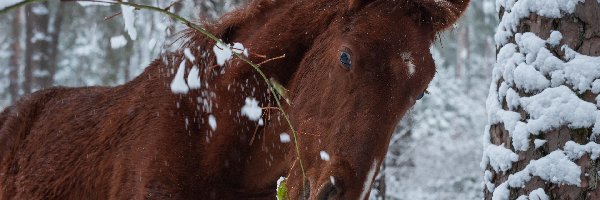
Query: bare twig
x=271, y=59
x=112, y=16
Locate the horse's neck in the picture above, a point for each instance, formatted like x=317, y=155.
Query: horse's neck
x=255, y=157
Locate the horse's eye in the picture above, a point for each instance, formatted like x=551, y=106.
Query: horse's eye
x=346, y=60
x=422, y=94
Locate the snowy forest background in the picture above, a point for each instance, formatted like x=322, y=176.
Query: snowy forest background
x=435, y=151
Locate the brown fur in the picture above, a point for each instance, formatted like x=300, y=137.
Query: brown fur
x=141, y=141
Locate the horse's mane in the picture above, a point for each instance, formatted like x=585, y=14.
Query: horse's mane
x=224, y=27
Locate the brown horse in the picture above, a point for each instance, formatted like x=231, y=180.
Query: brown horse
x=352, y=67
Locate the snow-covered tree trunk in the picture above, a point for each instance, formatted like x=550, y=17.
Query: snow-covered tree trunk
x=544, y=122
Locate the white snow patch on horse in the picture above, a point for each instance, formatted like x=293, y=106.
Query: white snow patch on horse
x=251, y=109
x=178, y=85
x=193, y=78
x=212, y=121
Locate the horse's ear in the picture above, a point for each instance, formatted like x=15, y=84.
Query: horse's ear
x=441, y=14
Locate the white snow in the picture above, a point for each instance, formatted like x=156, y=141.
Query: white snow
x=574, y=151
x=581, y=70
x=193, y=78
x=117, y=42
x=551, y=109
x=251, y=109
x=128, y=18
x=501, y=192
x=538, y=143
x=528, y=79
x=188, y=54
x=523, y=197
x=223, y=53
x=499, y=157
x=538, y=194
x=239, y=48
x=555, y=38
x=212, y=121
x=324, y=155
x=487, y=178
x=515, y=11
x=596, y=86
x=555, y=167
x=284, y=138
x=7, y=3
x=512, y=99
x=178, y=85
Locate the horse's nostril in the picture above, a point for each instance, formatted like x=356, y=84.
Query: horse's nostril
x=328, y=191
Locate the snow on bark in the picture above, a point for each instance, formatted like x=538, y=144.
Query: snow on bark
x=555, y=167
x=534, y=92
x=499, y=157
x=575, y=151
x=515, y=11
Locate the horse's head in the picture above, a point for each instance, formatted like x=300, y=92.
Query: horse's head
x=361, y=75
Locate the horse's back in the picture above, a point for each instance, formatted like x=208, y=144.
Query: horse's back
x=99, y=143
x=44, y=139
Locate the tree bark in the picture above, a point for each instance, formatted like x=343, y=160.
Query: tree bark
x=581, y=32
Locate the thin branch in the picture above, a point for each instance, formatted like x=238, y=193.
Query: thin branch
x=112, y=16
x=271, y=59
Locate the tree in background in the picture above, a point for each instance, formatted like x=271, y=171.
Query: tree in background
x=541, y=142
x=41, y=45
x=13, y=65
